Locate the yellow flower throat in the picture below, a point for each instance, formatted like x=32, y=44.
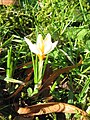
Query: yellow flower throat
x=41, y=47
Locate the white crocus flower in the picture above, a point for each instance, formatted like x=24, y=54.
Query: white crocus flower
x=88, y=110
x=42, y=47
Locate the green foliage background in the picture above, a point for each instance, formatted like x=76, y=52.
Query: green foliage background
x=68, y=21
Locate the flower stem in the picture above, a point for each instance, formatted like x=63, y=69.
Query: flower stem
x=39, y=80
x=40, y=73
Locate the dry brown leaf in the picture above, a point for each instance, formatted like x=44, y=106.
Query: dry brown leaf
x=50, y=107
x=47, y=73
x=25, y=64
x=21, y=86
x=52, y=78
x=8, y=2
x=22, y=118
x=57, y=72
x=0, y=50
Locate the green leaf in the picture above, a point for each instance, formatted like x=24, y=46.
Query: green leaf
x=29, y=91
x=84, y=90
x=82, y=34
x=88, y=44
x=14, y=81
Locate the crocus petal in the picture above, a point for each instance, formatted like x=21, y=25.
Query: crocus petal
x=47, y=39
x=40, y=44
x=32, y=46
x=54, y=45
x=50, y=47
x=47, y=44
x=47, y=48
x=39, y=40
